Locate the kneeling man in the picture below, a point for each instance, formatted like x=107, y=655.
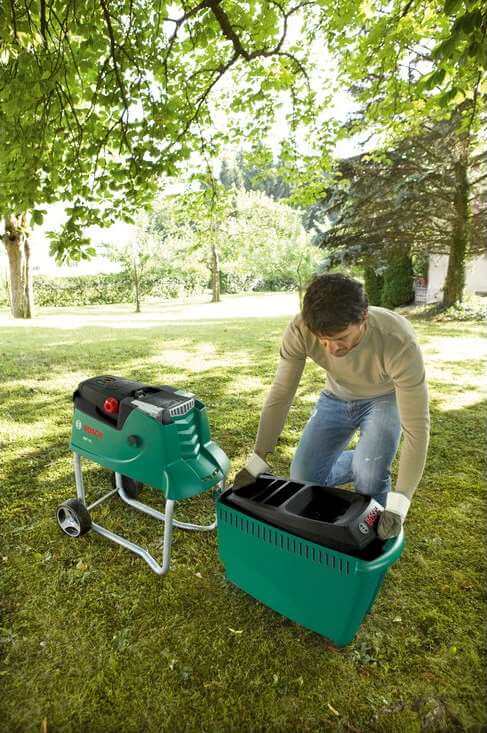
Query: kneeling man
x=375, y=384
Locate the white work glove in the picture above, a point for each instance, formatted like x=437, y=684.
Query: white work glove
x=393, y=516
x=254, y=467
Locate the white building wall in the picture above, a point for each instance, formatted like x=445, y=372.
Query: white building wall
x=475, y=276
x=438, y=265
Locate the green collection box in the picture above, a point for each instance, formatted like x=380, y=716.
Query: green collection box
x=325, y=590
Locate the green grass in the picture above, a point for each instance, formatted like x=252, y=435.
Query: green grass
x=93, y=641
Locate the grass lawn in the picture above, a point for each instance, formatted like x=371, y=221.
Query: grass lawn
x=93, y=641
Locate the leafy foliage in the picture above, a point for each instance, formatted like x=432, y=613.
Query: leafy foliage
x=470, y=311
x=115, y=287
x=406, y=199
x=397, y=288
x=265, y=177
x=99, y=99
x=81, y=290
x=259, y=240
x=407, y=62
x=373, y=283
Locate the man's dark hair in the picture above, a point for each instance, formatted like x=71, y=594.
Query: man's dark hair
x=332, y=302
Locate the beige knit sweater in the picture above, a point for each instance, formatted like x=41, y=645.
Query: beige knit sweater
x=386, y=359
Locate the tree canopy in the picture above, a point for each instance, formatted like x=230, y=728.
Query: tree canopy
x=97, y=99
x=407, y=61
x=405, y=201
x=100, y=98
x=235, y=233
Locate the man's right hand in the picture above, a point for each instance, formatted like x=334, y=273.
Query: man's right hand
x=254, y=467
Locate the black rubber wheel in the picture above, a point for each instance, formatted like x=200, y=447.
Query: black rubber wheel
x=73, y=518
x=131, y=486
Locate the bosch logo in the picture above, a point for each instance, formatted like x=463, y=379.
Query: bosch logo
x=78, y=425
x=363, y=528
x=371, y=517
x=92, y=431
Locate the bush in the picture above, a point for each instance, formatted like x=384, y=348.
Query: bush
x=167, y=283
x=276, y=283
x=373, y=283
x=398, y=286
x=421, y=262
x=170, y=284
x=82, y=290
x=115, y=288
x=232, y=282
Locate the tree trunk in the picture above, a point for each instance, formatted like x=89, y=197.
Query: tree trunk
x=16, y=240
x=215, y=274
x=300, y=283
x=455, y=276
x=137, y=286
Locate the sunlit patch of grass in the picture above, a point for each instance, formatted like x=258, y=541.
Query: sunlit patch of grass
x=448, y=348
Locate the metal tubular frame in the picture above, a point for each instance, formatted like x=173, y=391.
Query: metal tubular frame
x=166, y=517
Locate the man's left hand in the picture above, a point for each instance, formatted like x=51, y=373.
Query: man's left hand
x=392, y=518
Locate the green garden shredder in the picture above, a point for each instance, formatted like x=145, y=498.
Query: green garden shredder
x=158, y=436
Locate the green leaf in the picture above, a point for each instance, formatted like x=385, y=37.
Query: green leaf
x=451, y=6
x=445, y=49
x=473, y=49
x=433, y=79
x=37, y=216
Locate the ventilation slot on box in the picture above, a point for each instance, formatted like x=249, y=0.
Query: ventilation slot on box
x=182, y=408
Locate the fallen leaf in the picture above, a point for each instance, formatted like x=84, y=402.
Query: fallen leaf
x=235, y=631
x=335, y=712
x=198, y=575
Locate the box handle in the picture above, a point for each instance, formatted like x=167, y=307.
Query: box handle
x=383, y=561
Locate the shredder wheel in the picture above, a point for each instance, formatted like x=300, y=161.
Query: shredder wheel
x=73, y=518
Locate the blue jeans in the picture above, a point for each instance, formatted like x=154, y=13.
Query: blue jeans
x=321, y=456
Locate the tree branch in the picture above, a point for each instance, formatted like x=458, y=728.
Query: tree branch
x=113, y=53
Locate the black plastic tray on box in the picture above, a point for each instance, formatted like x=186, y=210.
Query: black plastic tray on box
x=326, y=515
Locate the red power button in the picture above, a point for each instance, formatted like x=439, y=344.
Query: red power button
x=111, y=405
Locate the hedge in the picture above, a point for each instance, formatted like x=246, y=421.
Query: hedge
x=81, y=290
x=373, y=283
x=398, y=282
x=110, y=288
